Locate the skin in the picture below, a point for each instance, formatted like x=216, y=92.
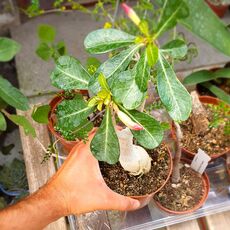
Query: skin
x=78, y=187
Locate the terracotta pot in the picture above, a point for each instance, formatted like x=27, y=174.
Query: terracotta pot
x=219, y=10
x=206, y=185
x=67, y=145
x=208, y=100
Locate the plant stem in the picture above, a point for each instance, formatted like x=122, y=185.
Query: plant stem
x=177, y=157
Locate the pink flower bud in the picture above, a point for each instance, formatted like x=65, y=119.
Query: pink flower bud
x=131, y=14
x=126, y=119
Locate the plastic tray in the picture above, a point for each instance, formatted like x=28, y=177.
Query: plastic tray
x=150, y=217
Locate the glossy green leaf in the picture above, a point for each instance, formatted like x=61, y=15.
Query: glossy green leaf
x=8, y=49
x=125, y=90
x=106, y=40
x=22, y=121
x=205, y=75
x=152, y=54
x=69, y=74
x=112, y=67
x=46, y=33
x=176, y=48
x=71, y=113
x=44, y=51
x=172, y=93
x=105, y=145
x=221, y=94
x=2, y=122
x=40, y=114
x=204, y=23
x=171, y=12
x=81, y=132
x=152, y=133
x=12, y=95
x=142, y=73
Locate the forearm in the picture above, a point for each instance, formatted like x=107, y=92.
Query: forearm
x=34, y=212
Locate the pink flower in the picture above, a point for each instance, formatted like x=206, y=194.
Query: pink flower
x=131, y=13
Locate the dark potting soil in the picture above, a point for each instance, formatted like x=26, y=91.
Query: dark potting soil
x=184, y=195
x=215, y=141
x=123, y=183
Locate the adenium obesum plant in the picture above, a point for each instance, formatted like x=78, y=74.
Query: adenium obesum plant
x=118, y=88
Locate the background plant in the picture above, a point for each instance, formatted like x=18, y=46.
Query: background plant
x=204, y=77
x=9, y=95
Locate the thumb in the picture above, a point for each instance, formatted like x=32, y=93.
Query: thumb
x=124, y=203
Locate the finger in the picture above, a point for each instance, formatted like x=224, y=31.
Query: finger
x=123, y=203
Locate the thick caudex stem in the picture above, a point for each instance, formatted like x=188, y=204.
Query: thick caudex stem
x=133, y=158
x=199, y=115
x=177, y=157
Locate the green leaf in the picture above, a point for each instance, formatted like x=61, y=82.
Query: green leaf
x=203, y=22
x=217, y=91
x=152, y=54
x=2, y=122
x=103, y=83
x=61, y=48
x=125, y=90
x=44, y=51
x=105, y=144
x=205, y=75
x=222, y=73
x=176, y=48
x=8, y=49
x=46, y=33
x=40, y=114
x=3, y=104
x=12, y=95
x=69, y=74
x=22, y=121
x=198, y=77
x=142, y=73
x=171, y=12
x=152, y=133
x=92, y=61
x=172, y=93
x=112, y=67
x=106, y=40
x=71, y=113
x=82, y=131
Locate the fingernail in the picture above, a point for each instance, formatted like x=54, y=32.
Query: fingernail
x=136, y=204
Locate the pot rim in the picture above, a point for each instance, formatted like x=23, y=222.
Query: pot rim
x=206, y=186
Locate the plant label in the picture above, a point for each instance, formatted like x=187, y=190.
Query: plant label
x=200, y=161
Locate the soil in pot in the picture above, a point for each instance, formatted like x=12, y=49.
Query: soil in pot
x=123, y=183
x=213, y=142
x=185, y=196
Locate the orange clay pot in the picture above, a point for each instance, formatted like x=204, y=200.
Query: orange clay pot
x=206, y=185
x=207, y=100
x=219, y=10
x=67, y=145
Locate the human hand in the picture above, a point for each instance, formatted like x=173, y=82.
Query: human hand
x=79, y=186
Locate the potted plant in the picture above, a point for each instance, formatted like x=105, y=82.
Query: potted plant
x=119, y=89
x=208, y=129
x=187, y=190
